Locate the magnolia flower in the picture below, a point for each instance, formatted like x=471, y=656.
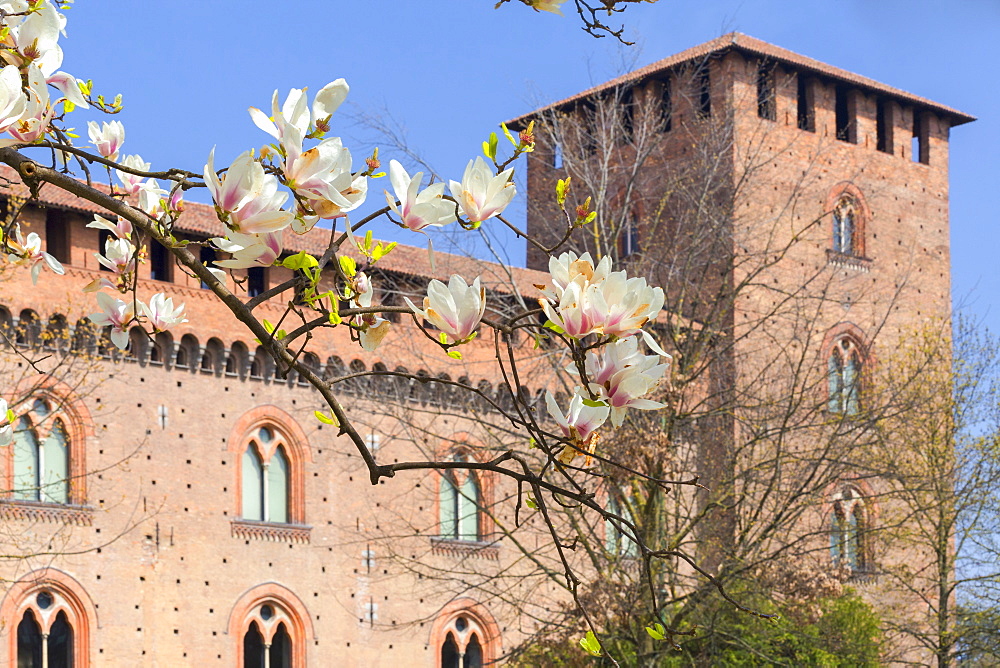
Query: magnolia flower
x=114, y=313
x=417, y=211
x=12, y=100
x=6, y=419
x=575, y=312
x=293, y=113
x=36, y=39
x=150, y=194
x=579, y=424
x=249, y=250
x=371, y=327
x=107, y=137
x=161, y=312
x=481, y=195
x=621, y=375
x=323, y=176
x=247, y=198
x=70, y=89
x=122, y=229
x=455, y=309
x=34, y=121
x=570, y=268
x=119, y=256
x=628, y=303
x=132, y=183
x=28, y=251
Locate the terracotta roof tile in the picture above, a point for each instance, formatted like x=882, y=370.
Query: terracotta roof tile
x=746, y=44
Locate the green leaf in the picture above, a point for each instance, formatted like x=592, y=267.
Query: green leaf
x=493, y=145
x=301, y=260
x=591, y=645
x=335, y=318
x=594, y=404
x=348, y=265
x=590, y=217
x=443, y=338
x=10, y=415
x=562, y=187
x=268, y=326
x=656, y=631
x=454, y=354
x=326, y=419
x=510, y=137
x=554, y=327
x=368, y=239
x=531, y=503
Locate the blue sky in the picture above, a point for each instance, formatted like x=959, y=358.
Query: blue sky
x=450, y=70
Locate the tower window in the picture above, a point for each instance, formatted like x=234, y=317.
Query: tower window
x=806, y=105
x=459, y=503
x=847, y=530
x=844, y=370
x=846, y=130
x=921, y=150
x=883, y=127
x=628, y=238
x=666, y=106
x=41, y=454
x=160, y=264
x=766, y=102
x=256, y=281
x=845, y=227
x=703, y=91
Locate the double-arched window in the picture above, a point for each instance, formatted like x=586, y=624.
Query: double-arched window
x=845, y=226
x=41, y=455
x=844, y=376
x=460, y=500
x=270, y=626
x=266, y=477
x=267, y=641
x=848, y=522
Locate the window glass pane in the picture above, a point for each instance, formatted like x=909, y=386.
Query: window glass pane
x=851, y=385
x=25, y=462
x=836, y=379
x=56, y=481
x=253, y=648
x=449, y=653
x=473, y=653
x=281, y=649
x=448, y=505
x=29, y=642
x=836, y=537
x=277, y=487
x=61, y=643
x=468, y=504
x=253, y=485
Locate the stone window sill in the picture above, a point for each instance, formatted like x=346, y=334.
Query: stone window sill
x=465, y=548
x=38, y=511
x=271, y=531
x=839, y=259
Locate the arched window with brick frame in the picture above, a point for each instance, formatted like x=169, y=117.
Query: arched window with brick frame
x=465, y=635
x=847, y=361
x=849, y=216
x=271, y=452
x=47, y=618
x=46, y=463
x=271, y=627
x=460, y=503
x=849, y=523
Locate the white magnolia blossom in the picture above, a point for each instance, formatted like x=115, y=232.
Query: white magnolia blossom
x=481, y=194
x=107, y=137
x=122, y=229
x=161, y=312
x=371, y=327
x=12, y=99
x=132, y=183
x=114, y=313
x=579, y=424
x=119, y=256
x=456, y=309
x=323, y=176
x=246, y=197
x=418, y=210
x=621, y=376
x=293, y=114
x=34, y=121
x=249, y=250
x=546, y=6
x=28, y=252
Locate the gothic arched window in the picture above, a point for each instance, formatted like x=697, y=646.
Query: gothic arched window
x=267, y=640
x=845, y=227
x=462, y=647
x=847, y=530
x=459, y=502
x=844, y=369
x=48, y=617
x=41, y=453
x=265, y=488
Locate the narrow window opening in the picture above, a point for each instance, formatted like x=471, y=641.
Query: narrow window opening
x=920, y=151
x=666, y=106
x=627, y=103
x=57, y=228
x=256, y=281
x=843, y=115
x=805, y=103
x=882, y=134
x=557, y=154
x=766, y=103
x=703, y=87
x=629, y=238
x=160, y=265
x=207, y=257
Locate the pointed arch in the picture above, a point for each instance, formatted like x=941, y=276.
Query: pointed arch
x=472, y=632
x=279, y=617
